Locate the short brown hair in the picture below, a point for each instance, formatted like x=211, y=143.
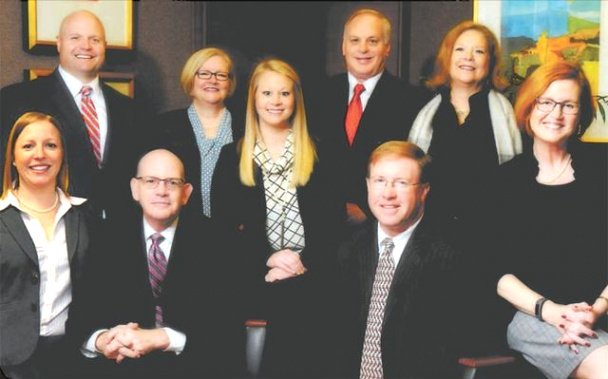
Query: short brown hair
x=403, y=149
x=441, y=76
x=537, y=83
x=10, y=174
x=196, y=60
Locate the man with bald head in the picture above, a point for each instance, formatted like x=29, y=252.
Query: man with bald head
x=97, y=121
x=157, y=305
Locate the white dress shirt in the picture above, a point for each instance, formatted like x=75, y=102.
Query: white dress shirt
x=177, y=339
x=75, y=86
x=369, y=84
x=399, y=240
x=53, y=264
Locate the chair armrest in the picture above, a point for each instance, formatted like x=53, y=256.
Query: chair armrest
x=472, y=364
x=493, y=360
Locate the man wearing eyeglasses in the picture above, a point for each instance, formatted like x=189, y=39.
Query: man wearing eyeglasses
x=161, y=311
x=398, y=278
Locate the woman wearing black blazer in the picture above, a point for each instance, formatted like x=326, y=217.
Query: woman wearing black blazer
x=276, y=213
x=44, y=241
x=198, y=133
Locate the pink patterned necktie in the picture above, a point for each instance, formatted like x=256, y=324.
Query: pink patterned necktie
x=371, y=359
x=157, y=265
x=353, y=114
x=89, y=115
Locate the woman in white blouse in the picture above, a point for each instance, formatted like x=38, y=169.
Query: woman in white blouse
x=43, y=244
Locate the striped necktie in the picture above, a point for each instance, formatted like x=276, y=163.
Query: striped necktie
x=157, y=265
x=371, y=359
x=89, y=115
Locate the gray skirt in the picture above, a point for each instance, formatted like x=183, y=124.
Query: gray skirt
x=537, y=341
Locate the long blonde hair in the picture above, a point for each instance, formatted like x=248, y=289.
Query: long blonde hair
x=304, y=149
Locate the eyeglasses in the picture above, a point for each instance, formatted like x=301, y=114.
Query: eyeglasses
x=152, y=182
x=380, y=183
x=547, y=105
x=206, y=75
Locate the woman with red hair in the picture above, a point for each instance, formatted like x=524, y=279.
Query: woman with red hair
x=468, y=127
x=552, y=224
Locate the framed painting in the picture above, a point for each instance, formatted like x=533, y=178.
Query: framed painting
x=44, y=18
x=122, y=82
x=534, y=32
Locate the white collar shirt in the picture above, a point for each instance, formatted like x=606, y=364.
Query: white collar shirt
x=168, y=233
x=369, y=84
x=53, y=263
x=399, y=240
x=75, y=86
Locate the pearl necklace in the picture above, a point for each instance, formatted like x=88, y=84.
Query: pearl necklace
x=36, y=209
x=560, y=173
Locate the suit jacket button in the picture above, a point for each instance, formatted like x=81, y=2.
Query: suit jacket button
x=35, y=278
x=34, y=307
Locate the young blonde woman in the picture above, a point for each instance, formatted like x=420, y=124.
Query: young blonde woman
x=276, y=211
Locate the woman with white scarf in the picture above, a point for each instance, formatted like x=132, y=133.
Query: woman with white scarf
x=469, y=129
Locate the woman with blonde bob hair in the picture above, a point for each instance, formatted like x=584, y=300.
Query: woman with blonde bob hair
x=275, y=212
x=197, y=134
x=44, y=244
x=552, y=218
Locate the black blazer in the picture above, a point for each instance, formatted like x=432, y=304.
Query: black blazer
x=20, y=280
x=416, y=332
x=194, y=301
x=388, y=116
x=173, y=131
x=106, y=188
x=293, y=307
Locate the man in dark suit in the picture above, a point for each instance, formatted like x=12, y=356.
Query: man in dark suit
x=398, y=278
x=355, y=123
x=161, y=307
x=81, y=45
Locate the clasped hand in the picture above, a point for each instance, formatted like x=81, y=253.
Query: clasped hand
x=576, y=324
x=284, y=264
x=130, y=341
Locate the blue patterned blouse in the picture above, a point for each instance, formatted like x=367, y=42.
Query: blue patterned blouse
x=210, y=151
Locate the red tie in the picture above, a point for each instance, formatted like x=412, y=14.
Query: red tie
x=89, y=115
x=353, y=115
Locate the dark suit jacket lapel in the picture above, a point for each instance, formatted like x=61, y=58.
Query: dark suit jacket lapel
x=343, y=93
x=71, y=118
x=64, y=101
x=109, y=107
x=370, y=109
x=16, y=227
x=407, y=268
x=72, y=224
x=369, y=263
